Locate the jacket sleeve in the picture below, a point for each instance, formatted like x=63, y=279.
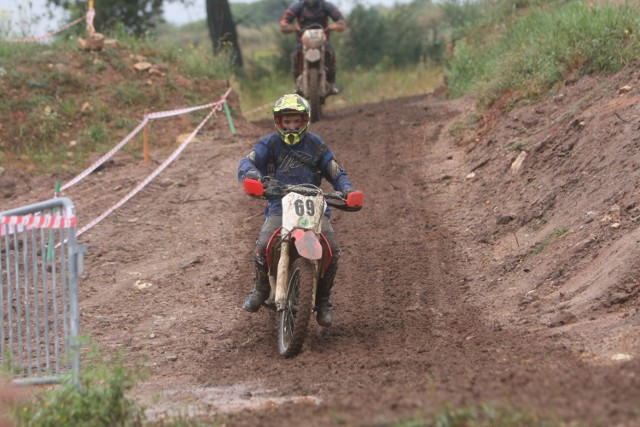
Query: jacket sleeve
x=291, y=14
x=256, y=160
x=333, y=173
x=333, y=11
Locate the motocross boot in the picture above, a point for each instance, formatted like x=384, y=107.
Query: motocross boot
x=324, y=308
x=261, y=290
x=324, y=316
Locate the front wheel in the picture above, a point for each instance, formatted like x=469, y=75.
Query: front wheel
x=314, y=94
x=294, y=318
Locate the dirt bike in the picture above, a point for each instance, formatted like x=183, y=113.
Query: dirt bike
x=298, y=254
x=312, y=83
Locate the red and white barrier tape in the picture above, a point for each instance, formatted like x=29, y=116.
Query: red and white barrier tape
x=88, y=17
x=147, y=117
x=170, y=113
x=91, y=13
x=22, y=222
x=106, y=157
x=217, y=107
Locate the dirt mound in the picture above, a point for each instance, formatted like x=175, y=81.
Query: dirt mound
x=557, y=182
x=62, y=105
x=465, y=280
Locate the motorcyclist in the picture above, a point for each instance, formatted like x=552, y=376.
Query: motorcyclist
x=292, y=155
x=308, y=12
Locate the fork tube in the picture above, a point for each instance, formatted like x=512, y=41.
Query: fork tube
x=282, y=278
x=316, y=269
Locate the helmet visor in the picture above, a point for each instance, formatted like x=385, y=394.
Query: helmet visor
x=292, y=122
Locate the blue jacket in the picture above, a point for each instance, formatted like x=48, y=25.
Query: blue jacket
x=307, y=162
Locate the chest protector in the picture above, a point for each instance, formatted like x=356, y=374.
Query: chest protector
x=284, y=160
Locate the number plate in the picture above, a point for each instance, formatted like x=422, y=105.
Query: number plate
x=302, y=212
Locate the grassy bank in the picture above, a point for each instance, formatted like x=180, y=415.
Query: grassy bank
x=60, y=104
x=537, y=51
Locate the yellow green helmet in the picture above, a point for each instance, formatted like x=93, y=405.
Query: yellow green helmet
x=291, y=104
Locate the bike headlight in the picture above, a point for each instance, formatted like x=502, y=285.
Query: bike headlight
x=313, y=38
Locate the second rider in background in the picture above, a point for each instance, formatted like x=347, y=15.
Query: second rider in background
x=304, y=13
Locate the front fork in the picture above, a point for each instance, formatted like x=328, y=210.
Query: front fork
x=282, y=277
x=318, y=62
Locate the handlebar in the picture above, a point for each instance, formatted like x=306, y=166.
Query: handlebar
x=272, y=189
x=313, y=27
x=300, y=30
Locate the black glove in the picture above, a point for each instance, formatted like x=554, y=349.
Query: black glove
x=253, y=174
x=346, y=192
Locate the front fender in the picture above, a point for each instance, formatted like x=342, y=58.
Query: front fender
x=307, y=243
x=312, y=55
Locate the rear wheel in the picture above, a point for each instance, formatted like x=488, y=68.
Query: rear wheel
x=314, y=94
x=294, y=318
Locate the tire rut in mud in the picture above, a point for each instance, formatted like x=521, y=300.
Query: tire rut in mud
x=407, y=334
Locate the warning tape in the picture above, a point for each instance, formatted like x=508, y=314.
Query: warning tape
x=88, y=17
x=147, y=117
x=217, y=106
x=11, y=223
x=170, y=113
x=106, y=157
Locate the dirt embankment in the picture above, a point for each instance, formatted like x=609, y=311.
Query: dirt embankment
x=464, y=280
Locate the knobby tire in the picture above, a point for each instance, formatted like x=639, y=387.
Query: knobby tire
x=293, y=324
x=314, y=94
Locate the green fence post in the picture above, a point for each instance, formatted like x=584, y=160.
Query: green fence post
x=228, y=113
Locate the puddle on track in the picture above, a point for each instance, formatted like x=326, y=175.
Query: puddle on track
x=200, y=401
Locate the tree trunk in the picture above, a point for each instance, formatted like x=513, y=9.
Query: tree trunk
x=222, y=29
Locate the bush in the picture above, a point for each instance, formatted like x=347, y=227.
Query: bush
x=100, y=401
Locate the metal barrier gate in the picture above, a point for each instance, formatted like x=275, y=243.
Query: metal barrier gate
x=40, y=262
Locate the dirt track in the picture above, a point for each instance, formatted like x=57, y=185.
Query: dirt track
x=411, y=331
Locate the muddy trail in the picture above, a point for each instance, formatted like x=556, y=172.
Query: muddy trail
x=167, y=273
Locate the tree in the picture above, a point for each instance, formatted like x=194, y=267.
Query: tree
x=137, y=16
x=365, y=43
x=259, y=12
x=140, y=16
x=222, y=29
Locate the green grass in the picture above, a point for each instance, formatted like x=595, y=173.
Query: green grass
x=100, y=401
x=540, y=49
x=469, y=121
x=129, y=93
x=518, y=145
x=45, y=87
x=481, y=416
x=356, y=88
x=538, y=248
